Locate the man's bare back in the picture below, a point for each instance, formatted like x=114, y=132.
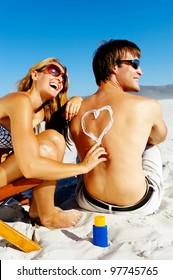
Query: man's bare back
x=137, y=121
x=120, y=180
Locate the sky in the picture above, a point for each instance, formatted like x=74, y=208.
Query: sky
x=71, y=31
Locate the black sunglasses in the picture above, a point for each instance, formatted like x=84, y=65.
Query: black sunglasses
x=53, y=70
x=135, y=63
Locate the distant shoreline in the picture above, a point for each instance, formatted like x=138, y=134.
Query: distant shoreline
x=156, y=92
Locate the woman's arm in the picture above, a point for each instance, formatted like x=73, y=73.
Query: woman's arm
x=26, y=147
x=72, y=107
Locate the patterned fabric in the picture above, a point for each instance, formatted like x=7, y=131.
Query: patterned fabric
x=5, y=138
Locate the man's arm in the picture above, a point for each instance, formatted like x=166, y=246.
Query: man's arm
x=159, y=130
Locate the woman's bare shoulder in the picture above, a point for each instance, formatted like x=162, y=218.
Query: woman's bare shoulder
x=13, y=101
x=12, y=96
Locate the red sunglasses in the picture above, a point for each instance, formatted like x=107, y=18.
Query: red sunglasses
x=53, y=70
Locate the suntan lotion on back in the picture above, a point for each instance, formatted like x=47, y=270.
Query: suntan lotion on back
x=100, y=231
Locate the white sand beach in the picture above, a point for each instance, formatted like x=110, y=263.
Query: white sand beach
x=130, y=237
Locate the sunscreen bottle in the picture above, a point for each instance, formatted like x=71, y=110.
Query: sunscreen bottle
x=100, y=231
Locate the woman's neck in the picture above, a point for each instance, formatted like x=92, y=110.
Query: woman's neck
x=36, y=100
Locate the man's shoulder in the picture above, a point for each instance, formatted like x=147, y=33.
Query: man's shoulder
x=142, y=99
x=145, y=105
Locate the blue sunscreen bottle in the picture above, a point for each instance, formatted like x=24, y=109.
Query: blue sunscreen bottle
x=100, y=232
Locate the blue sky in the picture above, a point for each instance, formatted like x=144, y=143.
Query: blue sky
x=72, y=30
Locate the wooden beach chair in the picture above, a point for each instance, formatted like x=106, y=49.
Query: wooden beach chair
x=17, y=187
x=8, y=232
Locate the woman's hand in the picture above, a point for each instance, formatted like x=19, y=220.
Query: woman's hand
x=72, y=107
x=94, y=156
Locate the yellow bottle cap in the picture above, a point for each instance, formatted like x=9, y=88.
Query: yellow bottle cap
x=99, y=221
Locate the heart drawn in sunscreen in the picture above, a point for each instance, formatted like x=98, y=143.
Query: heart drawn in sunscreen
x=96, y=113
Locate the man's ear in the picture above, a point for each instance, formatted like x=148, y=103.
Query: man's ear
x=34, y=75
x=114, y=69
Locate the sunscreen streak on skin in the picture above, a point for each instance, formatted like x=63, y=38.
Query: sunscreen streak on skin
x=96, y=113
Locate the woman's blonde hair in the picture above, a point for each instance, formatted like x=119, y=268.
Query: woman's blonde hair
x=56, y=103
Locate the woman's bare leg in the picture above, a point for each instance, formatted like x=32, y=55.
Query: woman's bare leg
x=52, y=146
x=42, y=204
x=51, y=216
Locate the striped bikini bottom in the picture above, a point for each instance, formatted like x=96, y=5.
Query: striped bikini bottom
x=5, y=138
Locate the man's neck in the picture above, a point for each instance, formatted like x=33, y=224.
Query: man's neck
x=114, y=84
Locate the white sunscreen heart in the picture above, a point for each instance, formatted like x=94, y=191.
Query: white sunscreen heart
x=96, y=113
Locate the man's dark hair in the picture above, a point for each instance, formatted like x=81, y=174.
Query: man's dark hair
x=106, y=56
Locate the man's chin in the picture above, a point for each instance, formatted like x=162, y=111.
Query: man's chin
x=135, y=90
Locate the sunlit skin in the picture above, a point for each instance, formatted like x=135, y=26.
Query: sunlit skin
x=127, y=80
x=40, y=156
x=137, y=121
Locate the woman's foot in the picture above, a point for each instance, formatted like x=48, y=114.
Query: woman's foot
x=58, y=218
x=61, y=219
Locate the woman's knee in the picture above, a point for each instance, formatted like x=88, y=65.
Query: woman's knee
x=52, y=145
x=57, y=138
x=53, y=136
x=47, y=149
